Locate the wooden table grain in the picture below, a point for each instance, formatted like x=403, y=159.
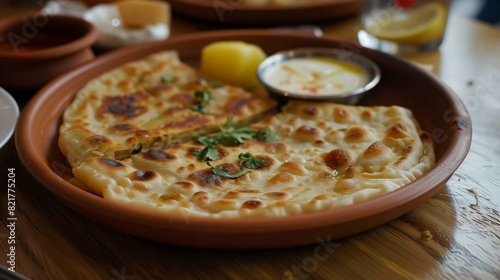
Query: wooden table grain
x=54, y=242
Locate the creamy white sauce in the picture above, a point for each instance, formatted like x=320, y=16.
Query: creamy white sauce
x=315, y=76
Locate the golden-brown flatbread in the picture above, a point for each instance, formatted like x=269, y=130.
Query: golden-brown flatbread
x=149, y=103
x=324, y=156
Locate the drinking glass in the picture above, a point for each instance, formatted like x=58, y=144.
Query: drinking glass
x=403, y=26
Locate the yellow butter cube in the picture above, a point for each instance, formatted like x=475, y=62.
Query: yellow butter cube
x=139, y=13
x=233, y=62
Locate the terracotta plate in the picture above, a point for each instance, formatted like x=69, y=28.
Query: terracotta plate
x=437, y=108
x=236, y=12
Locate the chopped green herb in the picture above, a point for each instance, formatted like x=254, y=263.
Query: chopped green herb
x=266, y=135
x=204, y=97
x=205, y=140
x=167, y=79
x=232, y=136
x=249, y=161
x=225, y=173
x=210, y=151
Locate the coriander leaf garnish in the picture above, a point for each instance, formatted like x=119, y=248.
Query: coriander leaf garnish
x=167, y=79
x=226, y=173
x=266, y=135
x=205, y=140
x=249, y=161
x=207, y=154
x=210, y=151
x=204, y=97
x=232, y=136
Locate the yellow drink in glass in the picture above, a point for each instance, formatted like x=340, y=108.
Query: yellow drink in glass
x=393, y=27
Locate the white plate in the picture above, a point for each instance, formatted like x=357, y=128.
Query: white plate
x=9, y=112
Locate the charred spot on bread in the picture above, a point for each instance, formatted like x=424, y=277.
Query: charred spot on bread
x=126, y=107
x=252, y=204
x=158, y=155
x=144, y=175
x=111, y=163
x=338, y=159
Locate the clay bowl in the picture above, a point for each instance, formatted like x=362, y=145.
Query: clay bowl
x=36, y=48
x=437, y=108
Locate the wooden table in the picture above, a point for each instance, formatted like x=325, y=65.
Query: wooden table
x=53, y=242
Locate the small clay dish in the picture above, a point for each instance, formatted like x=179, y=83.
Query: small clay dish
x=319, y=74
x=36, y=48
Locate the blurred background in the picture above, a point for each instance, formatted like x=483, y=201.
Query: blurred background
x=485, y=10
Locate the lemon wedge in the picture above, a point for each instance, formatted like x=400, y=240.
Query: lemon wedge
x=423, y=24
x=233, y=62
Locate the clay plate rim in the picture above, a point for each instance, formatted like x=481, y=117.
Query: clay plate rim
x=223, y=12
x=33, y=153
